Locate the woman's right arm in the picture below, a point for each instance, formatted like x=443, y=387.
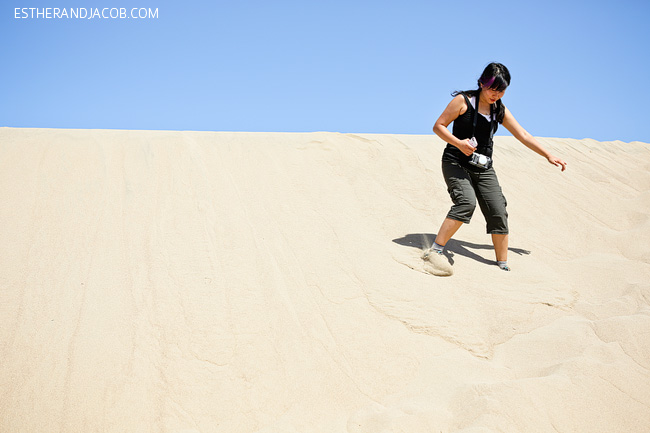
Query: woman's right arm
x=456, y=107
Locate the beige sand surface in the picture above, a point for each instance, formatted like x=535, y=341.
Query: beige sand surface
x=159, y=281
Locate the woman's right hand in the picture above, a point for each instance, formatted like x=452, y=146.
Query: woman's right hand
x=466, y=147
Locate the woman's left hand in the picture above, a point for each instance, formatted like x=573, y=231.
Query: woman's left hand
x=557, y=162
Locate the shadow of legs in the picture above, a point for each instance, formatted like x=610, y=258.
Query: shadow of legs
x=423, y=241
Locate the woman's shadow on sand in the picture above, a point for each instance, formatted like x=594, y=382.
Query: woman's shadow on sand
x=423, y=241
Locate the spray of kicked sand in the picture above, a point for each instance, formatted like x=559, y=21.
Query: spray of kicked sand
x=435, y=263
x=426, y=242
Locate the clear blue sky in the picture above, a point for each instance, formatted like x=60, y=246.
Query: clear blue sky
x=579, y=68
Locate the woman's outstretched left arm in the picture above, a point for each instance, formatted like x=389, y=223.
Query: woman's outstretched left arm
x=522, y=135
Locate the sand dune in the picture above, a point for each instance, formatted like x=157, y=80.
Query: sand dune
x=263, y=282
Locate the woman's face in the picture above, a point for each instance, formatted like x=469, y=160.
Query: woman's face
x=492, y=95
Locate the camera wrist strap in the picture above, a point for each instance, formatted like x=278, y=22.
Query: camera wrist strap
x=475, y=119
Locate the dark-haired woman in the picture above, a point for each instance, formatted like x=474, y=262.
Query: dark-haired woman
x=467, y=165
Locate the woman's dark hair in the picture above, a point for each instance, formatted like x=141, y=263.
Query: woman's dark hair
x=495, y=76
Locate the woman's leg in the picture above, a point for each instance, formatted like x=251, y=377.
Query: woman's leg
x=447, y=230
x=500, y=247
x=461, y=192
x=493, y=205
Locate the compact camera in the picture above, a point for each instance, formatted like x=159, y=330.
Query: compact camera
x=477, y=159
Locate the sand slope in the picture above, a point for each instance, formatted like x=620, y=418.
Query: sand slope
x=256, y=282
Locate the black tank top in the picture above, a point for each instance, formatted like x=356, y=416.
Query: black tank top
x=462, y=129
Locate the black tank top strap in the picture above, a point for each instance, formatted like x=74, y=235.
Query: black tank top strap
x=475, y=116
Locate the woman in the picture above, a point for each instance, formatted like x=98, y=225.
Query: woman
x=467, y=165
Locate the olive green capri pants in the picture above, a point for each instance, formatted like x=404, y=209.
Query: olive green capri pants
x=466, y=187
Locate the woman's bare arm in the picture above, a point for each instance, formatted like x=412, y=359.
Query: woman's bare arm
x=528, y=140
x=456, y=107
